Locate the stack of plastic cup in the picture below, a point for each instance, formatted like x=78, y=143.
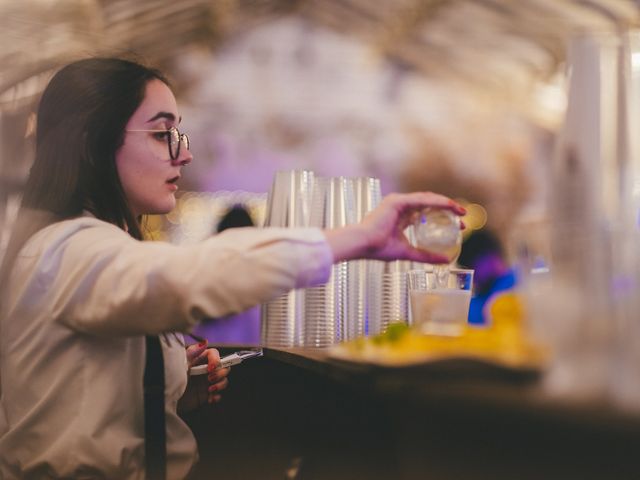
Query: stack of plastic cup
x=327, y=306
x=288, y=205
x=365, y=276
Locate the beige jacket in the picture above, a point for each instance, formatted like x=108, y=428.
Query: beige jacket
x=82, y=296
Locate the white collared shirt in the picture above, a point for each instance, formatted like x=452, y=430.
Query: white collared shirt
x=81, y=297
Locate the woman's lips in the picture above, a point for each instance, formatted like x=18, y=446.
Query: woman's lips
x=172, y=183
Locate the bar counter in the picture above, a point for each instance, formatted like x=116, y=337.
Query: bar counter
x=296, y=413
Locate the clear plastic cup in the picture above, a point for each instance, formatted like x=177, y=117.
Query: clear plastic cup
x=440, y=307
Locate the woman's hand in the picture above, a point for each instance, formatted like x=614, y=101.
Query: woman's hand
x=198, y=391
x=380, y=236
x=199, y=354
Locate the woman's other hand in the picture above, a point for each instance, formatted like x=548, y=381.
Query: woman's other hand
x=380, y=235
x=199, y=391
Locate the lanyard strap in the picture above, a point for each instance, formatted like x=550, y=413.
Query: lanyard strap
x=155, y=444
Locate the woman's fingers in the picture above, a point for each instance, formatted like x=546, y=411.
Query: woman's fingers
x=219, y=381
x=218, y=386
x=417, y=200
x=195, y=353
x=213, y=359
x=214, y=395
x=218, y=375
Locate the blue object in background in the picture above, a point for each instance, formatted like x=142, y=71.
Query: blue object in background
x=482, y=251
x=505, y=282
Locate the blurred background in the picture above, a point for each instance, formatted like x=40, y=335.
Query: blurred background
x=470, y=98
x=526, y=111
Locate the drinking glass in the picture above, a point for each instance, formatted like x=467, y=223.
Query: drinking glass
x=440, y=305
x=438, y=230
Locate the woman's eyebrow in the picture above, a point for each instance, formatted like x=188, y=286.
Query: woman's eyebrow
x=167, y=115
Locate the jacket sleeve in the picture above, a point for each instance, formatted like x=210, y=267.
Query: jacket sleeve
x=99, y=280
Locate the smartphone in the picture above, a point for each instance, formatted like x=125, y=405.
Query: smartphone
x=228, y=361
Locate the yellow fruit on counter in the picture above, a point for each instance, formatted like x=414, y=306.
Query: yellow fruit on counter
x=504, y=340
x=506, y=309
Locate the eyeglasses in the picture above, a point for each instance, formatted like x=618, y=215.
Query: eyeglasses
x=174, y=139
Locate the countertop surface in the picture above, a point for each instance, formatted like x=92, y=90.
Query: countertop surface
x=468, y=382
x=299, y=414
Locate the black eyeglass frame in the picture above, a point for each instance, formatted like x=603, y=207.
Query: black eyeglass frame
x=174, y=138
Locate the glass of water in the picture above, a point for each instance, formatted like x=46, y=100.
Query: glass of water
x=440, y=305
x=438, y=230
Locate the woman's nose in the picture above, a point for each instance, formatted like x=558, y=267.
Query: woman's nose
x=185, y=157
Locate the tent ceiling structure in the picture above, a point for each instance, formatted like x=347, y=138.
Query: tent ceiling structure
x=490, y=45
x=485, y=54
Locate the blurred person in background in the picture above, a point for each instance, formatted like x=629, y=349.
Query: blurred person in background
x=92, y=364
x=236, y=217
x=482, y=251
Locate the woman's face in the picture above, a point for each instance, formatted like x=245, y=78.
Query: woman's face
x=146, y=170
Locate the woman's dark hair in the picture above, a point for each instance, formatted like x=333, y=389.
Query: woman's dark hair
x=80, y=126
x=81, y=123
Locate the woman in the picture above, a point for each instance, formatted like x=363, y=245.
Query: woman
x=82, y=293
